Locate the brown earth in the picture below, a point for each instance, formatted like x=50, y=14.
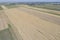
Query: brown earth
x=31, y=27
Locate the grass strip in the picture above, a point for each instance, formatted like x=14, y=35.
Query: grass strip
x=1, y=8
x=44, y=11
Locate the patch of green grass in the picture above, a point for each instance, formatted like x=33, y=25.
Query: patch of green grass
x=6, y=35
x=9, y=25
x=1, y=8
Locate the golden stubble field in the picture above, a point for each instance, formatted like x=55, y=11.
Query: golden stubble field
x=31, y=27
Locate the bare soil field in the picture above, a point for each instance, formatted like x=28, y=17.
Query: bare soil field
x=31, y=27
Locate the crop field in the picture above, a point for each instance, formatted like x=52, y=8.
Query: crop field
x=48, y=6
x=30, y=23
x=11, y=6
